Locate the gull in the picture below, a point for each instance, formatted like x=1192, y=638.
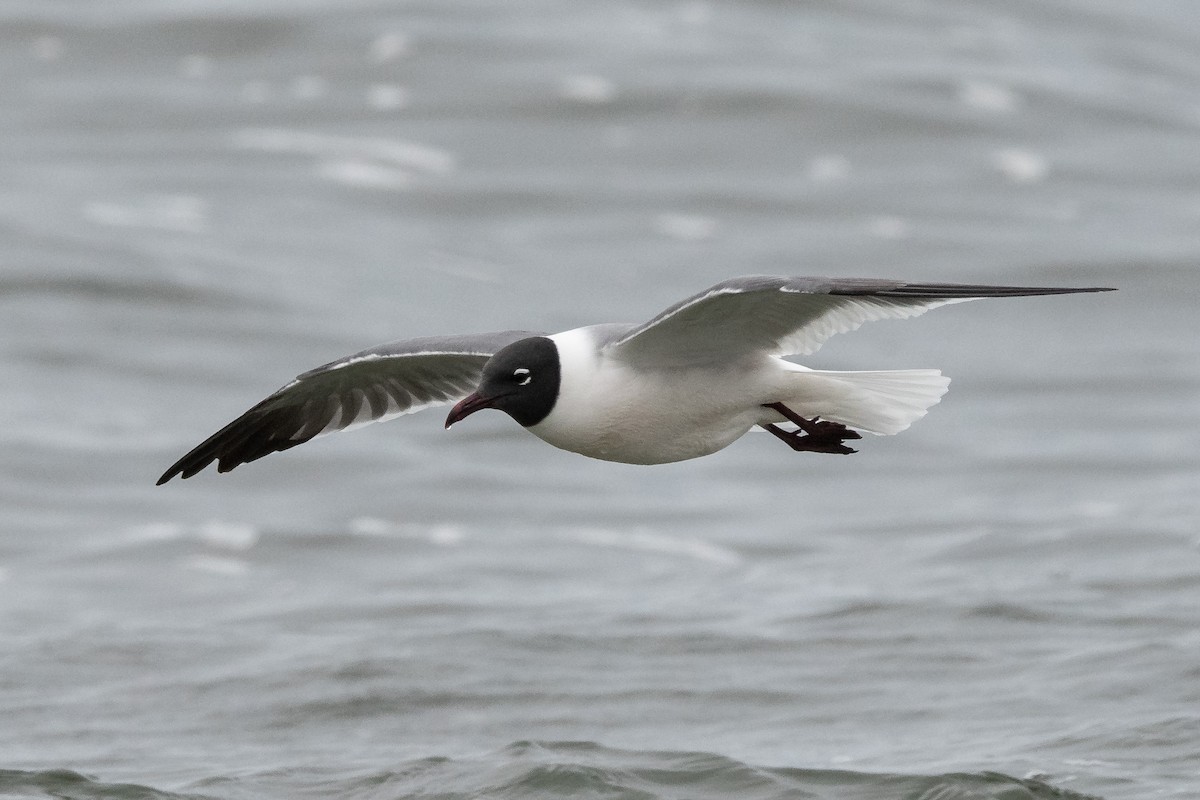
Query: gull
x=686, y=384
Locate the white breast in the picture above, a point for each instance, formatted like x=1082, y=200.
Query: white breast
x=607, y=410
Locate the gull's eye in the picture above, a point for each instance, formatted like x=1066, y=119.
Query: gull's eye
x=522, y=376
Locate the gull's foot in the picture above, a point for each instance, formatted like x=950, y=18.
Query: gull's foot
x=814, y=435
x=823, y=429
x=828, y=442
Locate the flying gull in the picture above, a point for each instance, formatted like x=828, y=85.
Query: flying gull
x=687, y=383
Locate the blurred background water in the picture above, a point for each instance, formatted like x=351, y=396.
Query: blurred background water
x=199, y=200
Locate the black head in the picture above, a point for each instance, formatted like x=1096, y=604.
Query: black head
x=521, y=380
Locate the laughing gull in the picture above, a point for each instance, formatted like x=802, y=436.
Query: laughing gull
x=685, y=384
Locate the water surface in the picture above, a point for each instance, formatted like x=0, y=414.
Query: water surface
x=198, y=202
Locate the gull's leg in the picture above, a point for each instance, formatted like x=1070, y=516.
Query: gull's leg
x=819, y=436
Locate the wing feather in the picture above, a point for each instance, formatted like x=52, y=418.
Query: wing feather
x=788, y=315
x=369, y=386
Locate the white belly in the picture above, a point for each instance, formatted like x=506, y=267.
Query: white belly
x=607, y=411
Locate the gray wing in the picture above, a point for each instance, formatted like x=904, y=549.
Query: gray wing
x=785, y=316
x=369, y=386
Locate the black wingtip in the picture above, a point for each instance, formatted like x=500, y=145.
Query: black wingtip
x=248, y=438
x=215, y=448
x=174, y=470
x=955, y=291
x=185, y=468
x=1078, y=289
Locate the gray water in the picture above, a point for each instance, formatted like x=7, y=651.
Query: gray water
x=200, y=200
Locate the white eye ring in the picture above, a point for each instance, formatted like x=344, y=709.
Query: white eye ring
x=523, y=374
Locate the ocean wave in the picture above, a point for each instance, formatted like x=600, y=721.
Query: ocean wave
x=560, y=769
x=64, y=783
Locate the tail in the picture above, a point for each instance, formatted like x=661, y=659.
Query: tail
x=883, y=402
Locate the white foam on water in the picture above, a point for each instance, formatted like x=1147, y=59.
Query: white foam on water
x=1100, y=509
x=888, y=228
x=588, y=89
x=155, y=532
x=649, y=541
x=364, y=174
x=373, y=526
x=393, y=152
x=389, y=47
x=1020, y=166
x=387, y=96
x=218, y=565
x=990, y=97
x=218, y=534
x=442, y=534
x=228, y=535
x=169, y=212
x=829, y=168
x=686, y=227
x=445, y=535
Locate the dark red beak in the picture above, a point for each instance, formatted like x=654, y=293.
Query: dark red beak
x=468, y=406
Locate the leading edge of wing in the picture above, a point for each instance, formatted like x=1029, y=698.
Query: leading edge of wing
x=791, y=315
x=369, y=386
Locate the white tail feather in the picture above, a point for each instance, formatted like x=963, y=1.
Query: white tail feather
x=883, y=402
